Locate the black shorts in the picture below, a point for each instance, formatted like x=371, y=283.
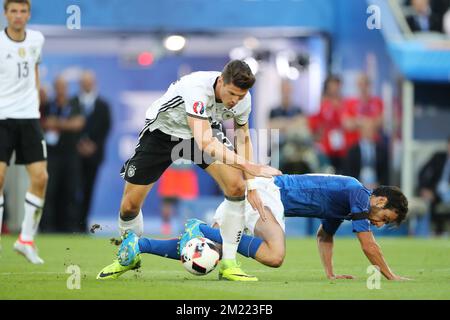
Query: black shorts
x=156, y=151
x=23, y=136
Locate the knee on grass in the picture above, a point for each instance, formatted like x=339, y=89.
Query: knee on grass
x=276, y=260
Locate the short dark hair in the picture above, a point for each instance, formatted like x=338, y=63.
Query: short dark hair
x=238, y=73
x=396, y=201
x=8, y=2
x=330, y=78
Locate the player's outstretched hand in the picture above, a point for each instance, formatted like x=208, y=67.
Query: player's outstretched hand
x=260, y=170
x=399, y=278
x=256, y=203
x=341, y=276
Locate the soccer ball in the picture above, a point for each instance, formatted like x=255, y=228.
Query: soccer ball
x=200, y=256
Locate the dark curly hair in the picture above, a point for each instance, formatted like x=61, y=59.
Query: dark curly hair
x=396, y=201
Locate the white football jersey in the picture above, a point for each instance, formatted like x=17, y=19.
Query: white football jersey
x=192, y=95
x=19, y=97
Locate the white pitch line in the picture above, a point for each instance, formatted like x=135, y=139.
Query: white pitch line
x=25, y=273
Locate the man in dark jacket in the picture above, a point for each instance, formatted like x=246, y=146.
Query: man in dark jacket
x=91, y=146
x=434, y=186
x=367, y=160
x=423, y=19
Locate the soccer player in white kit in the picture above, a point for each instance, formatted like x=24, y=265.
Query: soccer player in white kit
x=20, y=130
x=185, y=123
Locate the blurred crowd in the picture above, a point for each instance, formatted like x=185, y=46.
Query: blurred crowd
x=346, y=137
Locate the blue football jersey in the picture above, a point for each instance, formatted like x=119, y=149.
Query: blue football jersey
x=331, y=198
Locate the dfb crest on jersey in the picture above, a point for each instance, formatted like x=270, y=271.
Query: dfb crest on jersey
x=22, y=52
x=199, y=107
x=227, y=115
x=131, y=171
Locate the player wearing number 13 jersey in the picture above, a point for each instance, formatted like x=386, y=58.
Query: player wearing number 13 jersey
x=20, y=131
x=18, y=59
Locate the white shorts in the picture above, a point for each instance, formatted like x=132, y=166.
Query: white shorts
x=270, y=196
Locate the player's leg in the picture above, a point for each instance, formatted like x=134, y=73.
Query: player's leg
x=152, y=157
x=131, y=226
x=31, y=151
x=34, y=203
x=232, y=183
x=6, y=150
x=3, y=167
x=267, y=246
x=34, y=199
x=167, y=248
x=272, y=250
x=130, y=215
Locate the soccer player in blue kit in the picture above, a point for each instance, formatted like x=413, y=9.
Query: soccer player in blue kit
x=331, y=198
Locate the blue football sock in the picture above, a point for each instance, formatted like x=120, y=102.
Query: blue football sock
x=247, y=247
x=164, y=248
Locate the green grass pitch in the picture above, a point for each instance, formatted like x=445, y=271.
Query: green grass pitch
x=300, y=277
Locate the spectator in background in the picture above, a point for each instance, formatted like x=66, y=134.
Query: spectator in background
x=446, y=22
x=43, y=100
x=288, y=119
x=423, y=18
x=357, y=110
x=434, y=187
x=439, y=8
x=327, y=125
x=91, y=145
x=367, y=160
x=285, y=116
x=62, y=123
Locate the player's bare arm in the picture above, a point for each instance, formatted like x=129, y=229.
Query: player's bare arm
x=325, y=244
x=373, y=252
x=244, y=148
x=202, y=133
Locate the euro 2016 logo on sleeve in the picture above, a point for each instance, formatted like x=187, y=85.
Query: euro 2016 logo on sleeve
x=131, y=171
x=199, y=107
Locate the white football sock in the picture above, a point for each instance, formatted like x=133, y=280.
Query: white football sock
x=136, y=224
x=2, y=201
x=231, y=227
x=33, y=214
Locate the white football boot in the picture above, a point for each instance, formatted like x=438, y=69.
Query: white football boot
x=28, y=250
